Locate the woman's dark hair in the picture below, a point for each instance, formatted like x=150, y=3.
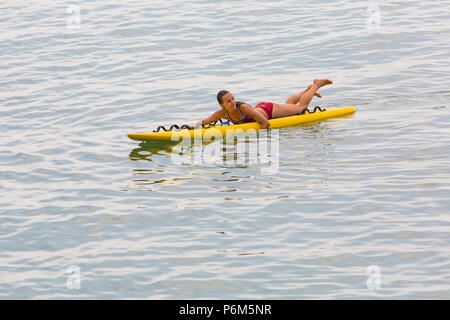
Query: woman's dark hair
x=221, y=94
x=224, y=92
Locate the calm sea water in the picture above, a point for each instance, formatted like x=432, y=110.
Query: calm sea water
x=358, y=207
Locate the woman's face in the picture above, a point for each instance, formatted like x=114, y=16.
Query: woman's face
x=228, y=101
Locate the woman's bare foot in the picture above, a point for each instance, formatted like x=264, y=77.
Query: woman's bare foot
x=321, y=82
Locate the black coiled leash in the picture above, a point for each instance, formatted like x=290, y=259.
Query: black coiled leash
x=172, y=127
x=185, y=126
x=316, y=108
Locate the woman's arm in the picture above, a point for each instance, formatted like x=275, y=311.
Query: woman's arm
x=212, y=118
x=249, y=111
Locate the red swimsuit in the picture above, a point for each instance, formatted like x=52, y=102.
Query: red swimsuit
x=266, y=106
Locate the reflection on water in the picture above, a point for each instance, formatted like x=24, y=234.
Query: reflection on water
x=238, y=150
x=149, y=148
x=145, y=182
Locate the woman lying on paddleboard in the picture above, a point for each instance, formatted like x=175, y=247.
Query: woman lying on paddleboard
x=240, y=112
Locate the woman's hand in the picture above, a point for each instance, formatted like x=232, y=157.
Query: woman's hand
x=265, y=125
x=262, y=120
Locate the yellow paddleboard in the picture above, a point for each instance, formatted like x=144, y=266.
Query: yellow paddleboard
x=224, y=130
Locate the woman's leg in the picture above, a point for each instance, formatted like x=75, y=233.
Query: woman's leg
x=290, y=109
x=308, y=95
x=296, y=97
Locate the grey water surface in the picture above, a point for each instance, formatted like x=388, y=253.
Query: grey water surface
x=357, y=207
